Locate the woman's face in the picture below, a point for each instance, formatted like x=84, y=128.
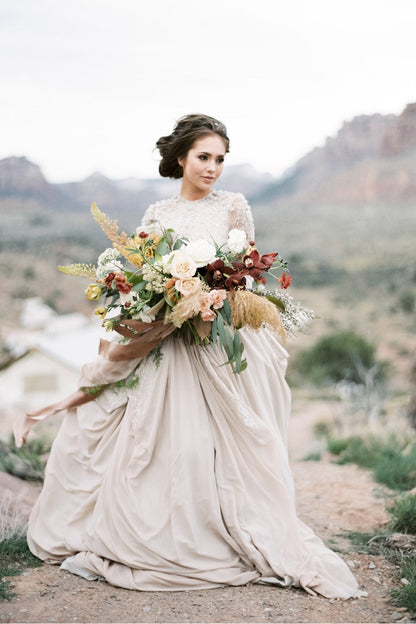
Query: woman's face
x=202, y=166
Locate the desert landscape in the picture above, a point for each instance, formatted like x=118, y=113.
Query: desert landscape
x=344, y=217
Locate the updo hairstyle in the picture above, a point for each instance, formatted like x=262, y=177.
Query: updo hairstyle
x=187, y=130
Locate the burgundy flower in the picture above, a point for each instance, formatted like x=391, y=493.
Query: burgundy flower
x=254, y=265
x=217, y=274
x=109, y=280
x=121, y=283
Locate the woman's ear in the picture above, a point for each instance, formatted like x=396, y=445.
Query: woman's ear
x=181, y=161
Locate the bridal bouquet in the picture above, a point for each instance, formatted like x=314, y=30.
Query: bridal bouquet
x=204, y=290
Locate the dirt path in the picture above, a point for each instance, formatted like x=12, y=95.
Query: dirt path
x=330, y=498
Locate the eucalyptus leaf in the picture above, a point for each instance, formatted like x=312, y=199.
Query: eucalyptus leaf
x=168, y=238
x=163, y=248
x=214, y=331
x=139, y=286
x=226, y=311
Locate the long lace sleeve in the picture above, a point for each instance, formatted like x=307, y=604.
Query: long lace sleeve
x=149, y=215
x=241, y=217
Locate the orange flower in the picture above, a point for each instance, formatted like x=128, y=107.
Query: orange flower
x=285, y=280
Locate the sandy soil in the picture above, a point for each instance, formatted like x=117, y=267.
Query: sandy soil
x=332, y=499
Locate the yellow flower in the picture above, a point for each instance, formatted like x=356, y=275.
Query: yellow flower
x=108, y=325
x=155, y=238
x=138, y=241
x=101, y=311
x=93, y=292
x=82, y=270
x=148, y=253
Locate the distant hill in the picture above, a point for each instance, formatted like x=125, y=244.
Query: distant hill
x=372, y=159
x=22, y=179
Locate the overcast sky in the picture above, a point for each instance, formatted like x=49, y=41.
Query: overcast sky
x=89, y=85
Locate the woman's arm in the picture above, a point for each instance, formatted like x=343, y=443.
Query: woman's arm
x=241, y=217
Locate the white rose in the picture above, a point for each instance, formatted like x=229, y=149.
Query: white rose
x=181, y=266
x=165, y=261
x=201, y=252
x=237, y=241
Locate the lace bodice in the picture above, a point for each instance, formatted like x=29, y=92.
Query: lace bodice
x=211, y=217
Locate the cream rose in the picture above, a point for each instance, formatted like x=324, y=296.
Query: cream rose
x=188, y=286
x=217, y=298
x=201, y=252
x=208, y=315
x=181, y=266
x=205, y=302
x=237, y=241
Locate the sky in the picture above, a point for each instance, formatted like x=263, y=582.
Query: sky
x=90, y=85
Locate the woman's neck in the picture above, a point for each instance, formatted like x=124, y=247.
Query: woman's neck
x=190, y=193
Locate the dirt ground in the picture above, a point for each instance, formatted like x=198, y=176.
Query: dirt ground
x=332, y=499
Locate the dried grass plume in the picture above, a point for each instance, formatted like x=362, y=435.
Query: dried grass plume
x=253, y=310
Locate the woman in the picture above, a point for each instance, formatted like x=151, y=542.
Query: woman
x=184, y=482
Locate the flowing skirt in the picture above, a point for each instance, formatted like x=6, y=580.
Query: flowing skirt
x=183, y=482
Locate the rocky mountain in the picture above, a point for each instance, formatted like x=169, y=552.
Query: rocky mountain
x=371, y=159
x=20, y=178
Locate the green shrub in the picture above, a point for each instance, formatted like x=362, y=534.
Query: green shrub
x=337, y=357
x=407, y=301
x=360, y=451
x=15, y=556
x=26, y=462
x=406, y=595
x=404, y=515
x=396, y=469
x=337, y=445
x=392, y=463
x=322, y=429
x=314, y=456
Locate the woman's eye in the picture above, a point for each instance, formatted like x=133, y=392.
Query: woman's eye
x=202, y=157
x=220, y=160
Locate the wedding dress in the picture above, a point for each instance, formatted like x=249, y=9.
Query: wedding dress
x=183, y=482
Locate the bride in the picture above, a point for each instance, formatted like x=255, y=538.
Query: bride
x=183, y=482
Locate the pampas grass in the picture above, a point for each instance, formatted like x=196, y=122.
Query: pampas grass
x=250, y=309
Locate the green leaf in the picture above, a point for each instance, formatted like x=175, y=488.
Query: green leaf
x=229, y=338
x=139, y=286
x=163, y=248
x=168, y=238
x=237, y=352
x=178, y=244
x=214, y=331
x=170, y=304
x=133, y=278
x=277, y=302
x=243, y=365
x=226, y=311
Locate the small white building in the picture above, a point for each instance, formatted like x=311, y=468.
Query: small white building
x=47, y=365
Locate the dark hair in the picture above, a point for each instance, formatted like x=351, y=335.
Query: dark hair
x=186, y=131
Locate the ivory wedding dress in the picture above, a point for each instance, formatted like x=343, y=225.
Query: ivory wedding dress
x=183, y=482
